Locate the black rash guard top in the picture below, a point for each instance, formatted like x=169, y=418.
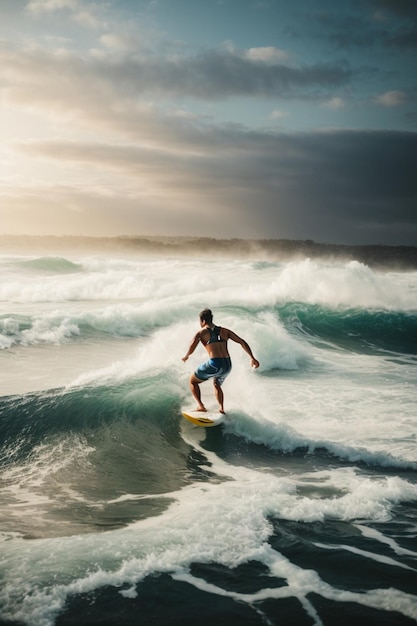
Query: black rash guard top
x=215, y=335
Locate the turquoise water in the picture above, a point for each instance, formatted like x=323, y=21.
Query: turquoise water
x=299, y=509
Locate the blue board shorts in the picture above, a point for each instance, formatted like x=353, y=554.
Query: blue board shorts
x=214, y=368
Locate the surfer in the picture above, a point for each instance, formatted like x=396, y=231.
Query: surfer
x=214, y=339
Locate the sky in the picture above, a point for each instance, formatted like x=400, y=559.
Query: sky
x=217, y=118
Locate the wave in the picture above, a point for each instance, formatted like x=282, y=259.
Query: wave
x=150, y=407
x=348, y=305
x=284, y=439
x=280, y=330
x=72, y=456
x=59, y=326
x=219, y=283
x=112, y=457
x=27, y=421
x=48, y=264
x=354, y=329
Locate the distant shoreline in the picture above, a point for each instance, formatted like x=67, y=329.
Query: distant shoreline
x=376, y=256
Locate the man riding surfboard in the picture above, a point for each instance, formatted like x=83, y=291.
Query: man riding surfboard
x=214, y=339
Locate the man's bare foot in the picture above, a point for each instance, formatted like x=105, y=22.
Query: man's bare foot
x=222, y=411
x=202, y=409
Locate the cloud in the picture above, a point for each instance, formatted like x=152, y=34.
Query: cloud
x=141, y=159
x=183, y=169
x=403, y=39
x=392, y=24
x=68, y=210
x=119, y=43
x=334, y=103
x=48, y=6
x=85, y=13
x=75, y=83
x=402, y=8
x=218, y=74
x=334, y=186
x=345, y=31
x=392, y=98
x=269, y=55
x=278, y=114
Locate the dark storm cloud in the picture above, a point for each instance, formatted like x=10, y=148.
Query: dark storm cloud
x=343, y=31
x=212, y=75
x=343, y=186
x=219, y=74
x=365, y=179
x=334, y=186
x=403, y=39
x=401, y=8
x=376, y=25
x=158, y=160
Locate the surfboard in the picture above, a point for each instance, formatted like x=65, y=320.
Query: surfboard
x=209, y=418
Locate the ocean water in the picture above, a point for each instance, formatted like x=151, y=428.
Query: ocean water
x=300, y=509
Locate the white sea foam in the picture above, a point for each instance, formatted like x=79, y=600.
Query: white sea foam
x=164, y=349
x=31, y=489
x=135, y=296
x=378, y=558
x=227, y=523
x=132, y=298
x=218, y=283
x=378, y=536
x=301, y=583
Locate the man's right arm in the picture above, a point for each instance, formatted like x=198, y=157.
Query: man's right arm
x=192, y=347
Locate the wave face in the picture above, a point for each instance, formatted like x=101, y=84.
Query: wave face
x=302, y=504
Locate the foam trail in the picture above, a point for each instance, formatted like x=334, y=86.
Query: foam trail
x=144, y=548
x=284, y=438
x=374, y=534
x=378, y=558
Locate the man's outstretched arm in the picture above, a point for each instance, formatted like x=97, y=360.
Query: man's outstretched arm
x=245, y=346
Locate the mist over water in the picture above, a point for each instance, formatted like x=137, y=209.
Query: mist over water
x=301, y=507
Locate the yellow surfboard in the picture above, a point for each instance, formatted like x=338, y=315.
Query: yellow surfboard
x=200, y=418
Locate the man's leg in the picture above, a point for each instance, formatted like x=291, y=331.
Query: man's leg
x=218, y=392
x=195, y=390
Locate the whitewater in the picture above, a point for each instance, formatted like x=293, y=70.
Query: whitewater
x=300, y=509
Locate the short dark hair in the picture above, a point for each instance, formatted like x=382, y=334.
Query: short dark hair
x=206, y=316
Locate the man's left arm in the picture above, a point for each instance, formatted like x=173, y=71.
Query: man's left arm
x=245, y=346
